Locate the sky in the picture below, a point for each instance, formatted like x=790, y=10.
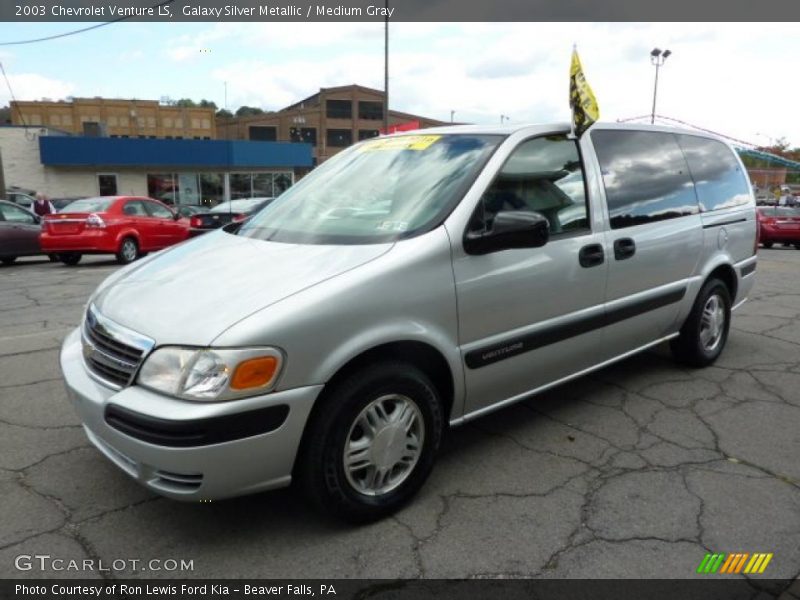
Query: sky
x=738, y=79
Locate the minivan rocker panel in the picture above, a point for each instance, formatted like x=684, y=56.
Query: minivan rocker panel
x=409, y=282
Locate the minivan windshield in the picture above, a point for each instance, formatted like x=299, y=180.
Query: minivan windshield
x=381, y=190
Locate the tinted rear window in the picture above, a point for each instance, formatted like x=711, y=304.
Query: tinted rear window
x=718, y=178
x=89, y=205
x=645, y=177
x=237, y=205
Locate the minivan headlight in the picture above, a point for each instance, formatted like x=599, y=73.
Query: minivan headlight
x=211, y=374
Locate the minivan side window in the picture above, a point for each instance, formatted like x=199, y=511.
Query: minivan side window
x=645, y=176
x=544, y=175
x=718, y=178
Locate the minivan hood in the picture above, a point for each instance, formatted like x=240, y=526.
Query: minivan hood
x=191, y=293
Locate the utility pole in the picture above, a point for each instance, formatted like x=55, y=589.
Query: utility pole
x=452, y=112
x=386, y=72
x=2, y=180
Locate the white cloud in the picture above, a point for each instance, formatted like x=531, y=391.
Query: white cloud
x=30, y=86
x=732, y=78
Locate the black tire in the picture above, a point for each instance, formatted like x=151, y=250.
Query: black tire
x=690, y=347
x=797, y=246
x=52, y=257
x=767, y=244
x=70, y=258
x=8, y=260
x=128, y=251
x=334, y=424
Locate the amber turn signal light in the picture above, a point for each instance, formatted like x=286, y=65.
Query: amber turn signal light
x=254, y=372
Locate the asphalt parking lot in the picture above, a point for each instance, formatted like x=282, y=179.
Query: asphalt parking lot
x=635, y=471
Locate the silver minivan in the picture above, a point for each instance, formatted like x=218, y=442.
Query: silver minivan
x=408, y=284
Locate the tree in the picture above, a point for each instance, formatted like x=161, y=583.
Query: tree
x=246, y=111
x=224, y=113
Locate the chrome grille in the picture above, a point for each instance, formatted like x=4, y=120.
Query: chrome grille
x=112, y=353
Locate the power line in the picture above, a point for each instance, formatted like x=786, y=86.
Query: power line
x=76, y=31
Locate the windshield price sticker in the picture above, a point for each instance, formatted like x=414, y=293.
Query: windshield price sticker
x=405, y=142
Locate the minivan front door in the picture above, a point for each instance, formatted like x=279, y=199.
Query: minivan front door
x=528, y=317
x=654, y=235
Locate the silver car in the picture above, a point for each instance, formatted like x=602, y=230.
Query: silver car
x=410, y=283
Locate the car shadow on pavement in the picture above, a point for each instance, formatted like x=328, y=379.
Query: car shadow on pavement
x=288, y=512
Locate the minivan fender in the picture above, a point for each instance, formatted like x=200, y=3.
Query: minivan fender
x=720, y=265
x=398, y=339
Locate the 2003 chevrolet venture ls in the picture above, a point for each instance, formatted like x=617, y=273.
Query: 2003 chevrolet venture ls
x=408, y=283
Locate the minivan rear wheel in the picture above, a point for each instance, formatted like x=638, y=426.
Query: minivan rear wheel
x=705, y=331
x=372, y=442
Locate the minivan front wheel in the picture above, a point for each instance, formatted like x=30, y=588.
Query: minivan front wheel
x=371, y=445
x=705, y=331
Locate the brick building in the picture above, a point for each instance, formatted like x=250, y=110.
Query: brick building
x=100, y=117
x=329, y=120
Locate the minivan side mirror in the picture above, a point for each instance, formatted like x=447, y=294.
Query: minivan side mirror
x=509, y=229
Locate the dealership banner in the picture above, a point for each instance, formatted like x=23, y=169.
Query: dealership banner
x=399, y=10
x=733, y=588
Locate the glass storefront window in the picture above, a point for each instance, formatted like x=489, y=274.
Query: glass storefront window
x=262, y=185
x=211, y=189
x=161, y=186
x=283, y=181
x=188, y=188
x=208, y=189
x=240, y=186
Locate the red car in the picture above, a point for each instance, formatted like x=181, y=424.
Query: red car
x=779, y=225
x=126, y=226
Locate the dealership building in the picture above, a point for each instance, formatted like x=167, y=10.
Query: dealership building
x=176, y=171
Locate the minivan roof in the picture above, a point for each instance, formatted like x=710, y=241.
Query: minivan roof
x=536, y=128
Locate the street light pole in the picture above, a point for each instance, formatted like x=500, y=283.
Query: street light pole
x=452, y=112
x=657, y=58
x=386, y=72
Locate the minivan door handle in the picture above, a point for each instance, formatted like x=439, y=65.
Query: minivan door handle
x=624, y=248
x=591, y=255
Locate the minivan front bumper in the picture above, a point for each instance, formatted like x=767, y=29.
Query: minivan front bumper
x=191, y=451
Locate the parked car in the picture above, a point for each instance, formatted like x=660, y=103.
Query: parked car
x=19, y=233
x=226, y=212
x=189, y=210
x=22, y=198
x=61, y=203
x=126, y=226
x=779, y=225
x=408, y=283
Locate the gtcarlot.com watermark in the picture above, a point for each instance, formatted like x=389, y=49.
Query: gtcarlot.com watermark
x=48, y=563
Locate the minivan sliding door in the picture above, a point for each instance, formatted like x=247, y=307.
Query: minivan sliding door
x=654, y=234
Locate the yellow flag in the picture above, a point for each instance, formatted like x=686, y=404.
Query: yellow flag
x=581, y=98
